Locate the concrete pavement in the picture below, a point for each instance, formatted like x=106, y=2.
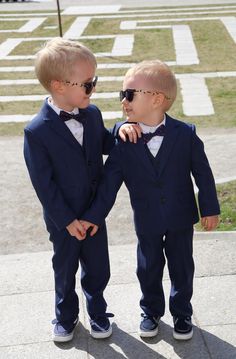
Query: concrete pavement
x=26, y=301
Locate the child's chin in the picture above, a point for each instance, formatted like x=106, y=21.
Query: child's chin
x=84, y=104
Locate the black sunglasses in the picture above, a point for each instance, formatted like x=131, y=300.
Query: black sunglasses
x=129, y=94
x=87, y=85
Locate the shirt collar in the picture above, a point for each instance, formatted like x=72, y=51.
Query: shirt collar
x=58, y=109
x=147, y=129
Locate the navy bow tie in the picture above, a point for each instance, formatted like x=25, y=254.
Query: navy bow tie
x=65, y=116
x=160, y=131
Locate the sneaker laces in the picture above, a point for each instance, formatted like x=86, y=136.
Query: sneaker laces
x=185, y=319
x=96, y=317
x=100, y=321
x=151, y=317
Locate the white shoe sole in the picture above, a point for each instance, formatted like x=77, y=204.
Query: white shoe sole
x=101, y=335
x=149, y=334
x=64, y=338
x=61, y=338
x=179, y=336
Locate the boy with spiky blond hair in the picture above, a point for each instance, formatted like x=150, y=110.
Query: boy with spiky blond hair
x=157, y=172
x=63, y=149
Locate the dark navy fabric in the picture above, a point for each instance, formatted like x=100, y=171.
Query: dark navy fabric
x=164, y=206
x=65, y=177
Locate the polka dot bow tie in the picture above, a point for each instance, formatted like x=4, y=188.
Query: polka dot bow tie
x=65, y=116
x=160, y=131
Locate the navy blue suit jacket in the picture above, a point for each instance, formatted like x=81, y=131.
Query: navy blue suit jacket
x=65, y=175
x=165, y=199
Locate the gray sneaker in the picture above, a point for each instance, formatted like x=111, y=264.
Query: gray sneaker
x=63, y=332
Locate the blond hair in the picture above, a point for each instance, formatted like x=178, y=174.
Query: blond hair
x=159, y=76
x=56, y=60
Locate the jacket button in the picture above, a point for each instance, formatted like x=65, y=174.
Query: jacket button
x=89, y=163
x=163, y=200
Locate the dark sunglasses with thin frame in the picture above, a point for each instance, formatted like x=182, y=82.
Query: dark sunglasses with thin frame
x=87, y=85
x=129, y=94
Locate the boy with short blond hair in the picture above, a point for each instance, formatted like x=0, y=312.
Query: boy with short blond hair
x=63, y=149
x=157, y=172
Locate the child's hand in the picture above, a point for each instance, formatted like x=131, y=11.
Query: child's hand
x=132, y=130
x=77, y=230
x=209, y=223
x=88, y=225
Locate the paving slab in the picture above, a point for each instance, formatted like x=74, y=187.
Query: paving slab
x=214, y=300
x=220, y=340
x=26, y=318
x=129, y=345
x=32, y=272
x=46, y=350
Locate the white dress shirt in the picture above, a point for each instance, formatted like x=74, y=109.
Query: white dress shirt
x=75, y=127
x=155, y=143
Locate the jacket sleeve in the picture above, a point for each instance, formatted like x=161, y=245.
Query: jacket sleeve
x=203, y=176
x=41, y=173
x=111, y=137
x=108, y=188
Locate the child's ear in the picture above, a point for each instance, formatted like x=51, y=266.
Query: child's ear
x=158, y=99
x=57, y=86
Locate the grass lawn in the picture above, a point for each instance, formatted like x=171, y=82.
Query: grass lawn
x=211, y=39
x=227, y=198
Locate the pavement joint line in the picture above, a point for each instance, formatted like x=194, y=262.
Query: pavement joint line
x=202, y=336
x=135, y=282
x=223, y=233
x=24, y=344
x=22, y=293
x=217, y=325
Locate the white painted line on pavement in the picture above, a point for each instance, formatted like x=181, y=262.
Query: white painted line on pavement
x=230, y=24
x=107, y=115
x=186, y=53
x=94, y=9
x=20, y=98
x=143, y=11
x=196, y=99
x=226, y=179
x=123, y=45
x=7, y=46
x=77, y=28
x=32, y=24
x=189, y=76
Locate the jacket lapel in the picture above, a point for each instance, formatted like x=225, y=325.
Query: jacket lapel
x=59, y=126
x=87, y=133
x=168, y=142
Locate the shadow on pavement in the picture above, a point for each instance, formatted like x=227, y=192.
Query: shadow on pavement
x=123, y=345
